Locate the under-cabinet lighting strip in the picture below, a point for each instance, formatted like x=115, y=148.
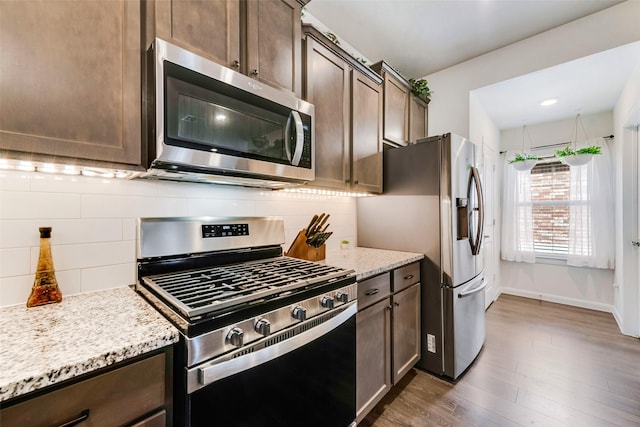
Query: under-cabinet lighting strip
x=324, y=192
x=51, y=168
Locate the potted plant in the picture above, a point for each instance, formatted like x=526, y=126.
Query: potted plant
x=578, y=157
x=524, y=162
x=420, y=88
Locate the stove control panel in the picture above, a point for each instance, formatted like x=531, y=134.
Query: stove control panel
x=224, y=230
x=266, y=325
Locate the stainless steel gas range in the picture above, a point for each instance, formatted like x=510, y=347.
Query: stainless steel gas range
x=266, y=340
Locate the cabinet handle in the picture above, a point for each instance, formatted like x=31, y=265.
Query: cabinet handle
x=355, y=182
x=371, y=292
x=80, y=418
x=397, y=304
x=254, y=72
x=409, y=277
x=236, y=64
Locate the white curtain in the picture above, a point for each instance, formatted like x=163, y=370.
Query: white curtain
x=591, y=218
x=517, y=216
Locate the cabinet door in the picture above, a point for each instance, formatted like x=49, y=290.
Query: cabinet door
x=373, y=347
x=327, y=88
x=406, y=330
x=366, y=105
x=209, y=27
x=273, y=35
x=114, y=398
x=418, y=119
x=70, y=75
x=396, y=102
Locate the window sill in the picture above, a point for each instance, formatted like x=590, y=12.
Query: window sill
x=551, y=261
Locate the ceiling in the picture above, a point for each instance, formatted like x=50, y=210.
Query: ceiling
x=421, y=37
x=587, y=85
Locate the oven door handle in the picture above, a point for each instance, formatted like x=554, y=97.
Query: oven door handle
x=213, y=371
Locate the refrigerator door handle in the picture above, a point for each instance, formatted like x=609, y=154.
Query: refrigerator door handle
x=483, y=285
x=474, y=178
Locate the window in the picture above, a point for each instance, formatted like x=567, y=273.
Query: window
x=550, y=186
x=562, y=212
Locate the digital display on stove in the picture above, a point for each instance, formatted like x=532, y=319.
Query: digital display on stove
x=224, y=230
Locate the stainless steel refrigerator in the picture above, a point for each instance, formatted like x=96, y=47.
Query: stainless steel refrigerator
x=432, y=203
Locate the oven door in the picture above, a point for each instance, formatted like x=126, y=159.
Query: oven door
x=306, y=379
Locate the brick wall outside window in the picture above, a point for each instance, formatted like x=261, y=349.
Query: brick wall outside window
x=550, y=208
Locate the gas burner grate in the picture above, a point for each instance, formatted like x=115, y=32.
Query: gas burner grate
x=201, y=291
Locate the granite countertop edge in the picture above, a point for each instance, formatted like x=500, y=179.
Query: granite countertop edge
x=370, y=262
x=83, y=334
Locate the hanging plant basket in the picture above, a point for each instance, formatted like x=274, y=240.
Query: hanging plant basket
x=579, y=157
x=524, y=162
x=525, y=165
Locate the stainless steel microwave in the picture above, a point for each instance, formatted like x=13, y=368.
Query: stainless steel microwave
x=208, y=123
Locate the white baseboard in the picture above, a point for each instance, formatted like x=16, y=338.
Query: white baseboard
x=598, y=306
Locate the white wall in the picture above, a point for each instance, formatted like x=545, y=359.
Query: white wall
x=584, y=287
x=449, y=110
x=626, y=117
x=94, y=223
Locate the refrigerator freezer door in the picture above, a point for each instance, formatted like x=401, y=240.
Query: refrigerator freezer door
x=458, y=204
x=464, y=325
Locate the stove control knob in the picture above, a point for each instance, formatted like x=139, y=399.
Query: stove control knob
x=327, y=302
x=343, y=297
x=235, y=337
x=299, y=313
x=263, y=327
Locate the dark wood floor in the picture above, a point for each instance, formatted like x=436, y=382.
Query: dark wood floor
x=542, y=364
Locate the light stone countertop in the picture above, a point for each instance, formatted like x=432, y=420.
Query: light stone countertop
x=368, y=262
x=45, y=345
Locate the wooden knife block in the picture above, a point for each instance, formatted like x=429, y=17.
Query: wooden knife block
x=299, y=249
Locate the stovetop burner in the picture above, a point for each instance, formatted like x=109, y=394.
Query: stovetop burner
x=201, y=291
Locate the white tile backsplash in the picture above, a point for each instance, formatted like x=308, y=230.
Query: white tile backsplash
x=23, y=204
x=94, y=223
x=106, y=277
x=69, y=257
x=220, y=207
x=14, y=262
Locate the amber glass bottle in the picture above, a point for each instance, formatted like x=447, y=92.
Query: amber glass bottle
x=45, y=287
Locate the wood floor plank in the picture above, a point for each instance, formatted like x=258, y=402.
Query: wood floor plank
x=542, y=364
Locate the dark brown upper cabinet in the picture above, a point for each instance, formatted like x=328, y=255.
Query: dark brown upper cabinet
x=261, y=39
x=70, y=82
x=405, y=116
x=348, y=110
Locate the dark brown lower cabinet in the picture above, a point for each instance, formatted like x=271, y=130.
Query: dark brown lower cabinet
x=131, y=395
x=387, y=333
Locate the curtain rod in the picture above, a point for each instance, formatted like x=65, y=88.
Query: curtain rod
x=564, y=143
x=559, y=144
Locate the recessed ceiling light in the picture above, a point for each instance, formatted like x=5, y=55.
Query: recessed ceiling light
x=548, y=102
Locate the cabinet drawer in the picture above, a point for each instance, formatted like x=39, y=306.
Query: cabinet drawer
x=110, y=399
x=406, y=276
x=374, y=289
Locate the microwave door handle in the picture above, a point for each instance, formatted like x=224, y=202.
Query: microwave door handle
x=297, y=155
